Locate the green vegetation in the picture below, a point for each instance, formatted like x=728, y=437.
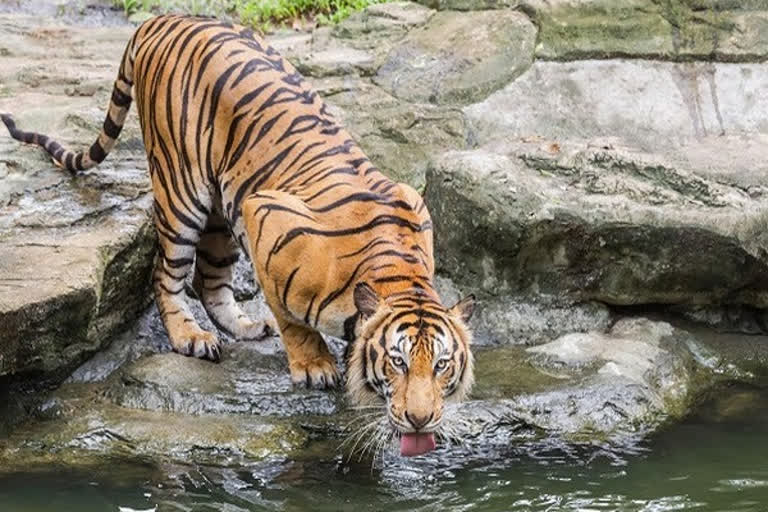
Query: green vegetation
x=262, y=15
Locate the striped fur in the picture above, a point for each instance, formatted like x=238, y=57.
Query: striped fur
x=244, y=155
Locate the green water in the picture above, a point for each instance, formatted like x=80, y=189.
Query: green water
x=716, y=460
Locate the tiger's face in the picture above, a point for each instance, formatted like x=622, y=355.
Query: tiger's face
x=413, y=355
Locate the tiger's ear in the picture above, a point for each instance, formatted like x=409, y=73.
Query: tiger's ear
x=366, y=300
x=464, y=308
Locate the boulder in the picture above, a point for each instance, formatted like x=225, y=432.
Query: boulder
x=469, y=5
x=382, y=25
x=252, y=379
x=517, y=319
x=335, y=60
x=650, y=104
x=671, y=29
x=615, y=385
x=75, y=253
x=79, y=428
x=397, y=136
x=458, y=57
x=600, y=221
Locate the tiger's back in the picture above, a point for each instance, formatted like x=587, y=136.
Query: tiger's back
x=219, y=105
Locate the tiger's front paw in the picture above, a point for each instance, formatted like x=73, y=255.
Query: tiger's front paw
x=317, y=373
x=201, y=344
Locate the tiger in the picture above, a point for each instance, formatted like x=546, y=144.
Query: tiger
x=244, y=156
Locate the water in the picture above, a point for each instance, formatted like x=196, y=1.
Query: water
x=715, y=461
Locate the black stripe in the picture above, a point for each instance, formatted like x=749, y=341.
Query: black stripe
x=120, y=99
x=326, y=189
x=252, y=183
x=349, y=327
x=379, y=220
x=288, y=286
x=96, y=152
x=217, y=89
x=217, y=262
x=168, y=290
x=301, y=124
x=246, y=99
x=219, y=287
x=373, y=243
x=176, y=262
x=111, y=128
x=309, y=309
x=362, y=197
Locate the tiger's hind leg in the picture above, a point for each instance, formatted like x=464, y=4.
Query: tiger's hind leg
x=178, y=233
x=217, y=253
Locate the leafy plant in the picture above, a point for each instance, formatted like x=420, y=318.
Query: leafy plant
x=129, y=6
x=262, y=15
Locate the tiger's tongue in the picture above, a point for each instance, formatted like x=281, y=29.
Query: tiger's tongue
x=416, y=444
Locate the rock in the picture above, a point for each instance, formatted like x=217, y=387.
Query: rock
x=336, y=60
x=244, y=282
x=650, y=104
x=252, y=379
x=469, y=5
x=729, y=318
x=597, y=221
x=81, y=428
x=739, y=407
x=75, y=253
x=459, y=58
x=397, y=136
x=70, y=13
x=525, y=320
x=147, y=336
x=614, y=385
x=291, y=44
x=673, y=30
x=734, y=356
x=579, y=184
x=583, y=387
x=76, y=259
x=383, y=23
x=136, y=399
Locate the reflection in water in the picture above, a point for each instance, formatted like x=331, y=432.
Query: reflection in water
x=715, y=461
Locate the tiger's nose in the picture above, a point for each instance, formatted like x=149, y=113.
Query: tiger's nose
x=418, y=421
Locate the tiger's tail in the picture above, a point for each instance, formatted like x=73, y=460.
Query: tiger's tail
x=119, y=105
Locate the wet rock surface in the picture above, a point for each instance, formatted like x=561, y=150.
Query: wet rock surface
x=517, y=319
x=83, y=426
x=585, y=386
x=615, y=385
x=75, y=253
x=251, y=379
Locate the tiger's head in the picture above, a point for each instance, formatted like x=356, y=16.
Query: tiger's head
x=412, y=354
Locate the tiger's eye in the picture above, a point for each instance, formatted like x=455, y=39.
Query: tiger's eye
x=441, y=364
x=398, y=361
